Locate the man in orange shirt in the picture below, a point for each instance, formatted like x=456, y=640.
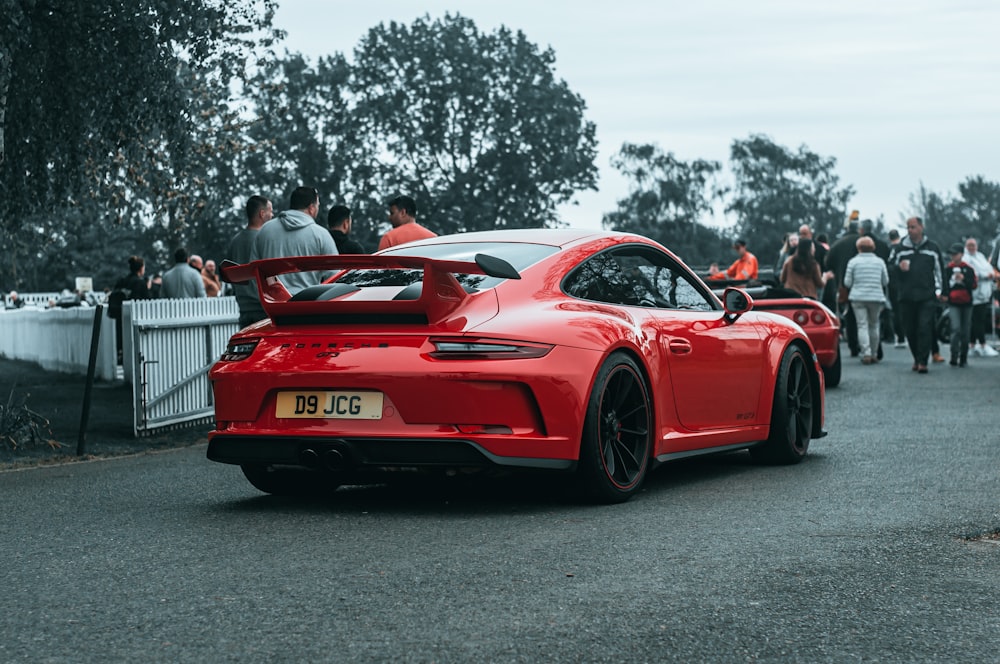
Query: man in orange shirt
x=743, y=269
x=403, y=217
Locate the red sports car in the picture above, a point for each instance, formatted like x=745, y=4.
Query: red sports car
x=594, y=353
x=819, y=323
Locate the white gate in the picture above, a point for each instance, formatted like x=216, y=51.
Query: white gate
x=168, y=348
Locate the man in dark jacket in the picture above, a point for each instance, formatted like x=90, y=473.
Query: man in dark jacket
x=843, y=250
x=867, y=227
x=915, y=266
x=133, y=286
x=339, y=220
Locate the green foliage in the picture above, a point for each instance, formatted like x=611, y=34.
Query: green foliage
x=777, y=190
x=98, y=113
x=135, y=127
x=169, y=114
x=475, y=126
x=667, y=200
x=310, y=133
x=974, y=212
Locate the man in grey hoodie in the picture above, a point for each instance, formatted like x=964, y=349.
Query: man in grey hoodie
x=295, y=232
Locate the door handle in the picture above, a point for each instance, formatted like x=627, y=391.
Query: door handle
x=679, y=346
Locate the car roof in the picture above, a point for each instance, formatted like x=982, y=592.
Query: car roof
x=557, y=237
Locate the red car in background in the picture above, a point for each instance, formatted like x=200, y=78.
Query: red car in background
x=593, y=353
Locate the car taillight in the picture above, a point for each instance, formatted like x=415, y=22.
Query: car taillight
x=818, y=317
x=486, y=349
x=800, y=317
x=239, y=350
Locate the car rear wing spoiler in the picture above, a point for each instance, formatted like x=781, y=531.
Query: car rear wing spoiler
x=441, y=293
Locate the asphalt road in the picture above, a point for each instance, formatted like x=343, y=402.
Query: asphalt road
x=860, y=553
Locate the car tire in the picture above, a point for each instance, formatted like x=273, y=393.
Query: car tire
x=289, y=481
x=617, y=433
x=791, y=414
x=831, y=376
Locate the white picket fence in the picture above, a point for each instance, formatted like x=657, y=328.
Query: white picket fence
x=168, y=347
x=40, y=300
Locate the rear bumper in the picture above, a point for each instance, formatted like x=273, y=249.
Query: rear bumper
x=367, y=454
x=827, y=357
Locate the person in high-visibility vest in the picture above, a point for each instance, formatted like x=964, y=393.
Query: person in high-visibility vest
x=744, y=268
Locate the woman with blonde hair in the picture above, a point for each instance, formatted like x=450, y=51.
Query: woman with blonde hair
x=867, y=278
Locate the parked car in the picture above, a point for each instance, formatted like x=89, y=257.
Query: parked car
x=821, y=325
x=594, y=353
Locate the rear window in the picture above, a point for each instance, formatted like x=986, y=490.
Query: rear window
x=519, y=254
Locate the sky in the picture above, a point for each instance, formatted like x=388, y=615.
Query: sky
x=900, y=93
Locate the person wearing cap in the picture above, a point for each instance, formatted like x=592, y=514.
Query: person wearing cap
x=915, y=266
x=744, y=268
x=961, y=284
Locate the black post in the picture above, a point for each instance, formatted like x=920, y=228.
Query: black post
x=95, y=338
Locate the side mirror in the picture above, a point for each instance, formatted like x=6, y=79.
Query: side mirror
x=737, y=302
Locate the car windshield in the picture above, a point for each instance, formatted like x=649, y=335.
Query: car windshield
x=519, y=254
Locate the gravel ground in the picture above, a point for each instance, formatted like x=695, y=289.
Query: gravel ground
x=57, y=399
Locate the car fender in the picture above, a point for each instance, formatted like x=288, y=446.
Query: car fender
x=781, y=337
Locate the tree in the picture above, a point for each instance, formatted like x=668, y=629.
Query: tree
x=975, y=212
x=305, y=116
x=667, y=199
x=475, y=126
x=95, y=106
x=777, y=190
x=169, y=114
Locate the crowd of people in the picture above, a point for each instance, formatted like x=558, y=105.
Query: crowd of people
x=894, y=290
x=292, y=232
x=295, y=231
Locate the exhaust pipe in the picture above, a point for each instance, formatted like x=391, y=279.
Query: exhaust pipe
x=334, y=459
x=309, y=458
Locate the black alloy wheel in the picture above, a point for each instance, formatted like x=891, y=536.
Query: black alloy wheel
x=792, y=413
x=617, y=433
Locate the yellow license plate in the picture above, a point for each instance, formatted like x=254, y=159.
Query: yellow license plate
x=338, y=404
